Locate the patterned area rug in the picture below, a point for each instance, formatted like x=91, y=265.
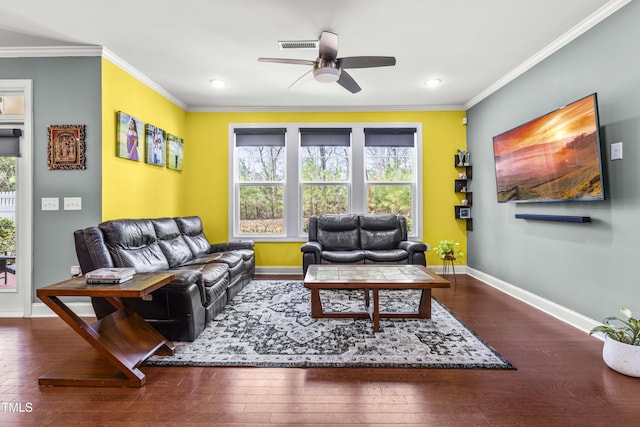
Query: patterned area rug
x=269, y=324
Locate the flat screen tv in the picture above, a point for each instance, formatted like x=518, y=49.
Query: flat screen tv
x=553, y=158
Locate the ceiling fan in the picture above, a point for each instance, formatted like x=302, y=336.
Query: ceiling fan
x=329, y=68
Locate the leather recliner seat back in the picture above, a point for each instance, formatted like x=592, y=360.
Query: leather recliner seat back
x=133, y=243
x=380, y=232
x=172, y=243
x=338, y=232
x=192, y=230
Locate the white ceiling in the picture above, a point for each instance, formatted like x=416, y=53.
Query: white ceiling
x=473, y=46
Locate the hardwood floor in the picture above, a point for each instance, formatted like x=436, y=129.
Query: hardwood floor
x=560, y=381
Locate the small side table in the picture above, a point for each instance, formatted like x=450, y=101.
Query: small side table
x=122, y=339
x=448, y=262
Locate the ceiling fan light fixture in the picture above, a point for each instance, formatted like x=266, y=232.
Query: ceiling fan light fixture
x=326, y=74
x=431, y=83
x=217, y=83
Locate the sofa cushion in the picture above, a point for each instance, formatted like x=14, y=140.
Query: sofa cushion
x=191, y=228
x=390, y=255
x=343, y=256
x=338, y=232
x=380, y=232
x=215, y=278
x=171, y=242
x=133, y=243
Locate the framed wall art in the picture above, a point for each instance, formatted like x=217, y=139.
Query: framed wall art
x=465, y=213
x=66, y=147
x=129, y=137
x=175, y=146
x=155, y=142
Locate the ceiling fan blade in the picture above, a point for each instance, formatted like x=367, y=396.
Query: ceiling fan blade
x=328, y=46
x=347, y=82
x=366, y=61
x=288, y=61
x=301, y=80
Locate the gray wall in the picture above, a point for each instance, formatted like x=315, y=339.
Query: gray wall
x=65, y=91
x=589, y=268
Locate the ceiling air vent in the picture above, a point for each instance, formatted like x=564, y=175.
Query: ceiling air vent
x=298, y=44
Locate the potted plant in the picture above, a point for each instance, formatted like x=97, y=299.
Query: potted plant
x=621, y=351
x=449, y=250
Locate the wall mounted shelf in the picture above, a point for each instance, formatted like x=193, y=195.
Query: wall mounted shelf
x=462, y=186
x=559, y=218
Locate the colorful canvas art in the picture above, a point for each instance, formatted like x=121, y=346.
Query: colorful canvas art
x=129, y=137
x=175, y=146
x=156, y=142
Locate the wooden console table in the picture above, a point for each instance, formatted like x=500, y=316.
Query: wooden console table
x=123, y=339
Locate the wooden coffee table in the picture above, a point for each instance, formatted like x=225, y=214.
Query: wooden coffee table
x=123, y=339
x=372, y=277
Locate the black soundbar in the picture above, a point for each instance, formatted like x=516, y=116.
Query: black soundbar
x=561, y=218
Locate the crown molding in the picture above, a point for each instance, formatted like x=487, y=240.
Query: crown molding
x=328, y=109
x=585, y=25
x=49, y=51
x=134, y=72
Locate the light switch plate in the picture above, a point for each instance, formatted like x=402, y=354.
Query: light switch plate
x=50, y=204
x=616, y=151
x=73, y=203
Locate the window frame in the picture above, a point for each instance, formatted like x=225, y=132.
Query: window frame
x=357, y=184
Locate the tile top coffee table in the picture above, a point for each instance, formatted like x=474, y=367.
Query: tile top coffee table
x=372, y=278
x=123, y=339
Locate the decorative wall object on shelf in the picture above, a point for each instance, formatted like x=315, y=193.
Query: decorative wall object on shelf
x=66, y=147
x=462, y=186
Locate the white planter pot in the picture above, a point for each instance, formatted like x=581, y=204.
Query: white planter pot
x=622, y=357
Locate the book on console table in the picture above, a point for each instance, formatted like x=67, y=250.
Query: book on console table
x=113, y=275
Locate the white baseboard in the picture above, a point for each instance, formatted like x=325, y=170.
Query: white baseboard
x=564, y=314
x=279, y=270
x=82, y=309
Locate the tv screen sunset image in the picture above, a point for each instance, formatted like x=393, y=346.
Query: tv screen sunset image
x=552, y=158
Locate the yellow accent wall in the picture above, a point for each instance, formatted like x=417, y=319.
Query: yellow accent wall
x=136, y=189
x=207, y=184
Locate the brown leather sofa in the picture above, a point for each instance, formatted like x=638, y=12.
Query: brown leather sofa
x=207, y=275
x=360, y=239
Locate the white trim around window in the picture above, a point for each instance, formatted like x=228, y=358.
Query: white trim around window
x=292, y=194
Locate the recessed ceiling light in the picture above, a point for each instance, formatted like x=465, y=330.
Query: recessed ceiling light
x=432, y=83
x=217, y=83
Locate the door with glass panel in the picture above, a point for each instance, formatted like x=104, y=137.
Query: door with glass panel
x=14, y=294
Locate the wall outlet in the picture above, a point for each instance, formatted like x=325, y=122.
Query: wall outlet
x=50, y=204
x=73, y=203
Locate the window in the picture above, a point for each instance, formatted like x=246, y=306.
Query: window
x=283, y=176
x=325, y=159
x=389, y=171
x=260, y=162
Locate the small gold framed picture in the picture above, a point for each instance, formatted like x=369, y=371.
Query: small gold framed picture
x=66, y=147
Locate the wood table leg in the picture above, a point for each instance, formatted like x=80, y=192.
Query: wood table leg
x=123, y=338
x=424, y=309
x=316, y=304
x=376, y=311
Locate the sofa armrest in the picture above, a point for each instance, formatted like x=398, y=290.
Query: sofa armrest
x=311, y=254
x=415, y=250
x=231, y=246
x=410, y=246
x=313, y=247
